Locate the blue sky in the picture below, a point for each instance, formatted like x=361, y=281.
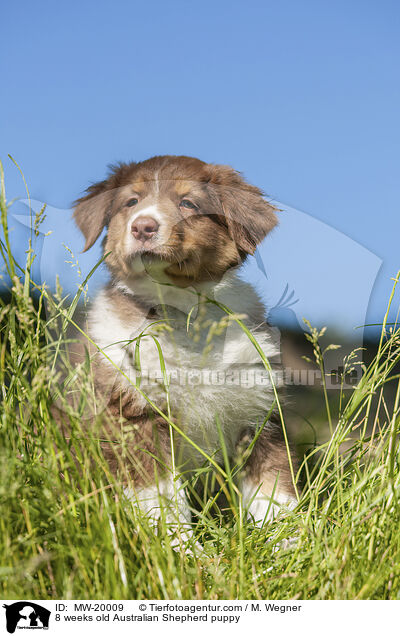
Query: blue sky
x=302, y=97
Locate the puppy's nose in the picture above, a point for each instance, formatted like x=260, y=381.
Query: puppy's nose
x=144, y=228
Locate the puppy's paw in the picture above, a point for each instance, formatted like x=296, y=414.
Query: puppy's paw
x=263, y=509
x=286, y=544
x=166, y=503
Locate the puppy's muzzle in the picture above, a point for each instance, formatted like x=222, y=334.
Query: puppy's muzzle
x=144, y=228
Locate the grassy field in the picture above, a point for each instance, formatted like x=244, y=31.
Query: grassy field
x=66, y=530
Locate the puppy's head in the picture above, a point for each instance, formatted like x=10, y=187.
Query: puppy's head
x=190, y=220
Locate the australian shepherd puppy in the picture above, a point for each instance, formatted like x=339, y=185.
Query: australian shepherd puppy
x=180, y=338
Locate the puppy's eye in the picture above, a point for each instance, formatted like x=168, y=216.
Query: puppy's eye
x=188, y=205
x=132, y=202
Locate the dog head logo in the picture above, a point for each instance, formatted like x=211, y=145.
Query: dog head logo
x=26, y=615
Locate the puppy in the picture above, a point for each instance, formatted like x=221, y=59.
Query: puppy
x=175, y=368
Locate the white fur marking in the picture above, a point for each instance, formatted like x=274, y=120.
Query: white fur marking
x=150, y=210
x=157, y=183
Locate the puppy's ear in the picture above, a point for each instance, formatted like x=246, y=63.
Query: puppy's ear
x=248, y=216
x=92, y=212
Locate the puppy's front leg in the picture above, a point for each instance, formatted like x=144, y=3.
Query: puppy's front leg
x=267, y=485
x=145, y=449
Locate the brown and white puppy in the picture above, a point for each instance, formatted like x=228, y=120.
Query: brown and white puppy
x=177, y=231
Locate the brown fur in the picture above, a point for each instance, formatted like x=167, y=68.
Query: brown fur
x=268, y=462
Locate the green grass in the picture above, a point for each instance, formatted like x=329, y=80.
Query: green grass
x=66, y=530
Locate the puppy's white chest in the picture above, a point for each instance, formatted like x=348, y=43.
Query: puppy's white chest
x=210, y=371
